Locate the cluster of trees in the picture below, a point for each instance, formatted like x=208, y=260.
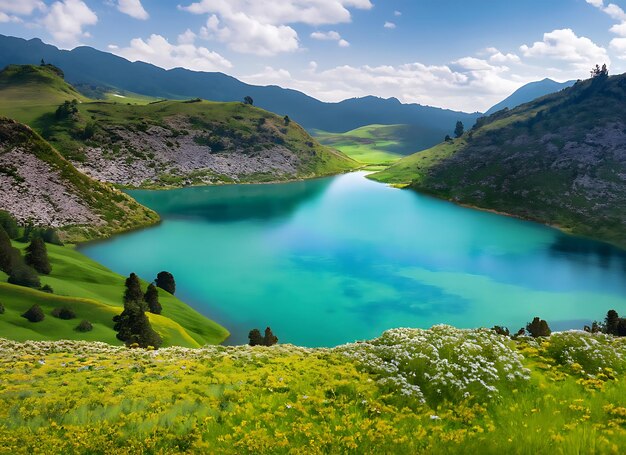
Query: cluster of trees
x=536, y=328
x=612, y=325
x=22, y=271
x=67, y=109
x=256, y=339
x=36, y=314
x=600, y=72
x=132, y=325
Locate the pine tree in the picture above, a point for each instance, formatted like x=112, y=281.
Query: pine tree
x=611, y=322
x=459, y=129
x=133, y=292
x=165, y=280
x=538, y=328
x=8, y=254
x=269, y=339
x=151, y=297
x=37, y=256
x=9, y=224
x=255, y=338
x=23, y=275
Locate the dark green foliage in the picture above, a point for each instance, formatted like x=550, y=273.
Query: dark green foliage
x=34, y=314
x=63, y=313
x=37, y=256
x=287, y=120
x=255, y=337
x=596, y=327
x=24, y=275
x=538, y=328
x=51, y=236
x=448, y=138
x=133, y=291
x=8, y=254
x=248, y=100
x=1, y=308
x=84, y=326
x=269, y=339
x=132, y=325
x=9, y=224
x=89, y=131
x=67, y=110
x=611, y=322
x=165, y=280
x=459, y=129
x=151, y=297
x=598, y=72
x=621, y=327
x=501, y=330
x=47, y=288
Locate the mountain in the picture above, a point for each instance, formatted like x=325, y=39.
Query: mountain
x=85, y=65
x=165, y=143
x=39, y=185
x=530, y=92
x=559, y=159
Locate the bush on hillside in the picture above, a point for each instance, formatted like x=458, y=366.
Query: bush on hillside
x=34, y=314
x=165, y=280
x=84, y=326
x=151, y=297
x=9, y=224
x=538, y=328
x=64, y=313
x=1, y=308
x=47, y=288
x=8, y=254
x=37, y=256
x=23, y=275
x=132, y=325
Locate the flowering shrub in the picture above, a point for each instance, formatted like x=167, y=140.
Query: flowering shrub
x=587, y=354
x=441, y=364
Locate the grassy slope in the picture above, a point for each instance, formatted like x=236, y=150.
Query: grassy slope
x=95, y=293
x=31, y=94
x=118, y=211
x=93, y=399
x=517, y=162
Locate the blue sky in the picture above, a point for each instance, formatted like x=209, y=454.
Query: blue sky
x=456, y=54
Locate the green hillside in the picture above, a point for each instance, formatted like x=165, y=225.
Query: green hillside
x=433, y=391
x=558, y=160
x=164, y=143
x=94, y=293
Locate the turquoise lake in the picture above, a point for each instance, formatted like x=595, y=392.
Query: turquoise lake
x=330, y=261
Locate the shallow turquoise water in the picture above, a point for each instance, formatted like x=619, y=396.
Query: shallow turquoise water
x=329, y=261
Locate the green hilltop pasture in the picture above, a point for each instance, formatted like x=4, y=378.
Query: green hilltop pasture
x=441, y=390
x=94, y=293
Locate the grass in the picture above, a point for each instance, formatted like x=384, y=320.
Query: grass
x=95, y=293
x=68, y=397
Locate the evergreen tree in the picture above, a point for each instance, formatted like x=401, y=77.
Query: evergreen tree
x=37, y=256
x=151, y=297
x=34, y=314
x=255, y=338
x=133, y=292
x=269, y=339
x=459, y=129
x=611, y=322
x=621, y=327
x=23, y=275
x=248, y=100
x=287, y=120
x=8, y=254
x=538, y=328
x=9, y=224
x=165, y=280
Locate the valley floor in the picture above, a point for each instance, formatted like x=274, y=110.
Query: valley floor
x=565, y=395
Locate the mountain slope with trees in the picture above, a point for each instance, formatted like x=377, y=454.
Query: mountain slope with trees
x=559, y=159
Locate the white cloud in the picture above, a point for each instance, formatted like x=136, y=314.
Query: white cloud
x=328, y=36
x=65, y=21
x=21, y=7
x=133, y=8
x=570, y=50
x=617, y=45
x=159, y=51
x=389, y=25
x=262, y=28
x=188, y=37
x=397, y=13
x=343, y=43
x=498, y=57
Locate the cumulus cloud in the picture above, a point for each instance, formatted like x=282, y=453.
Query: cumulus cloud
x=159, y=51
x=495, y=56
x=389, y=25
x=262, y=28
x=397, y=13
x=133, y=8
x=330, y=36
x=66, y=19
x=11, y=10
x=564, y=46
x=617, y=45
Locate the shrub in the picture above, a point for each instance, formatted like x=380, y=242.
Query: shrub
x=84, y=326
x=37, y=256
x=23, y=275
x=64, y=313
x=47, y=288
x=9, y=224
x=538, y=328
x=34, y=314
x=8, y=255
x=1, y=308
x=165, y=280
x=255, y=338
x=269, y=339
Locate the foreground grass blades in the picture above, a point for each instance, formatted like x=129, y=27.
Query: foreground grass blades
x=76, y=397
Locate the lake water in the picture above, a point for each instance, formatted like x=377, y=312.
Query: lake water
x=329, y=261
